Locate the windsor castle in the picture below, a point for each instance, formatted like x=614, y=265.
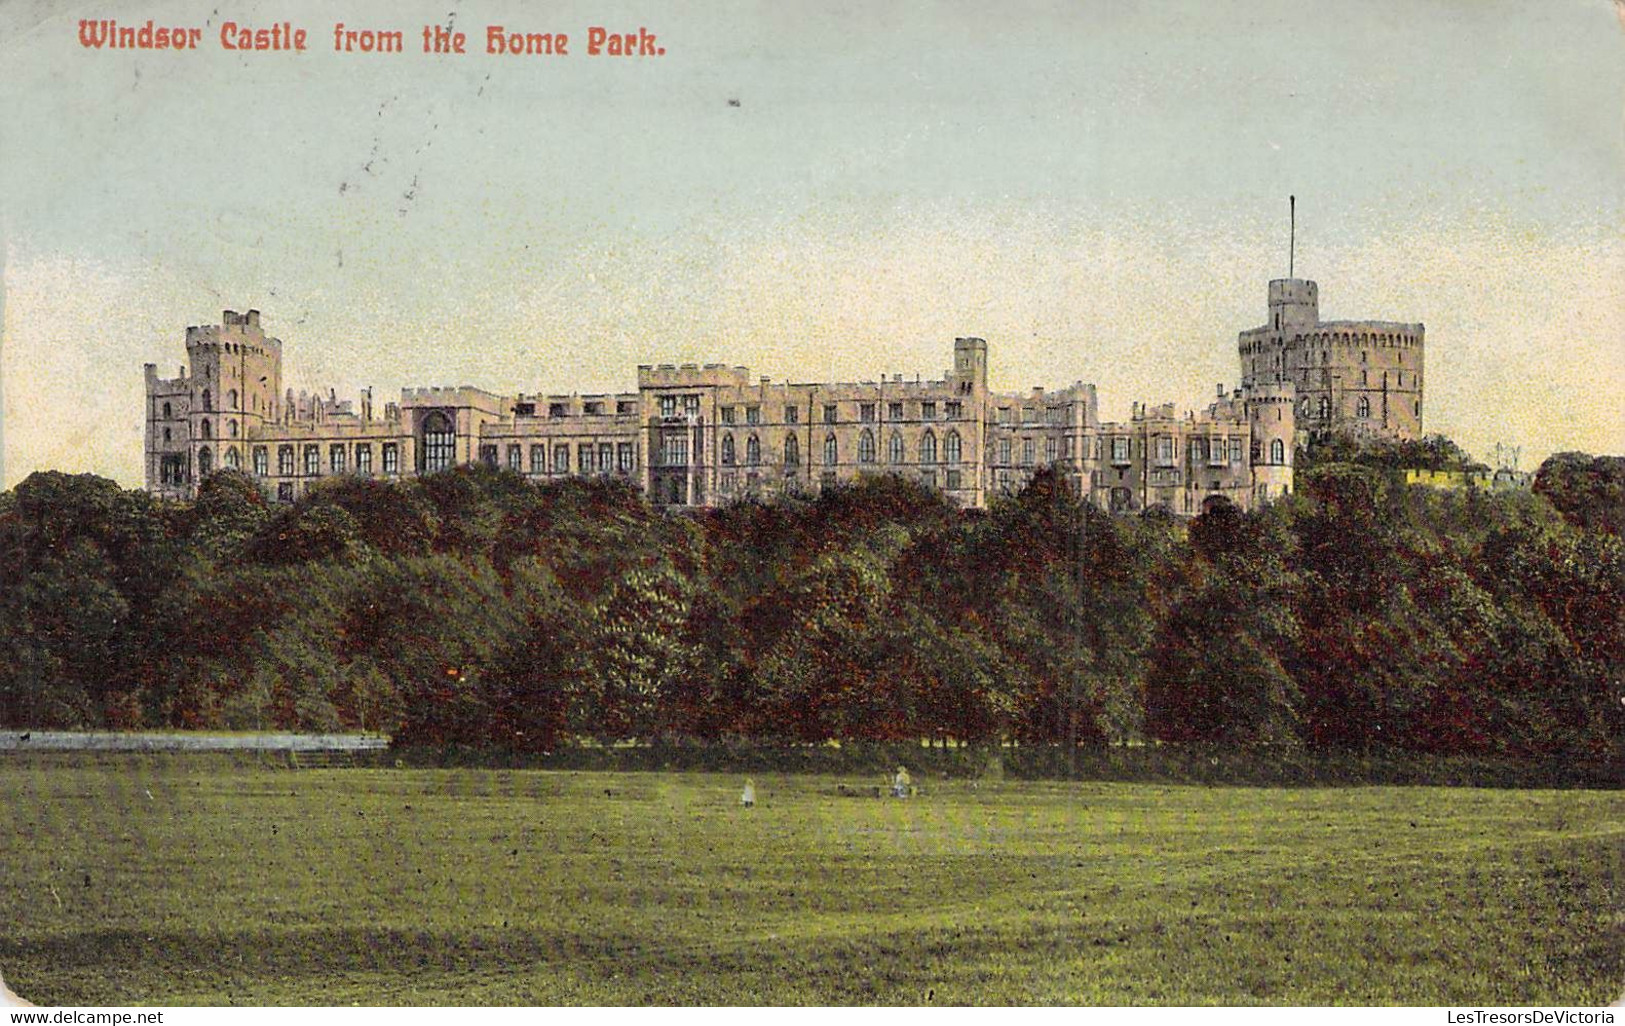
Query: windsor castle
x=693, y=435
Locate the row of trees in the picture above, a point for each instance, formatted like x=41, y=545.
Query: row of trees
x=475, y=607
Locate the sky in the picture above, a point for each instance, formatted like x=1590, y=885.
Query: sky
x=817, y=191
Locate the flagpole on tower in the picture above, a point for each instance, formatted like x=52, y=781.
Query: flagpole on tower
x=1292, y=237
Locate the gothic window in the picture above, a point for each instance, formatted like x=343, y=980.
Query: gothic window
x=488, y=456
x=832, y=450
x=830, y=414
x=753, y=450
x=233, y=460
x=335, y=459
x=231, y=399
x=792, y=451
x=168, y=412
x=727, y=450
x=753, y=415
x=166, y=434
x=928, y=447
x=624, y=457
x=205, y=462
x=363, y=458
x=1277, y=452
x=791, y=414
x=232, y=426
x=894, y=447
x=515, y=457
x=950, y=448
x=284, y=461
x=208, y=404
x=1323, y=409
x=866, y=442
x=392, y=458
x=262, y=461
x=1363, y=407
x=439, y=443
x=208, y=430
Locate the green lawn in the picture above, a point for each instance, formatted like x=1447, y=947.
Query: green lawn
x=468, y=887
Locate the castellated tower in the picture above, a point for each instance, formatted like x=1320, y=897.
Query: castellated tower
x=1362, y=378
x=1271, y=412
x=199, y=421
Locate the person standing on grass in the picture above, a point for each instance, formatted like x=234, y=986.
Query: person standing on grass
x=747, y=797
x=901, y=783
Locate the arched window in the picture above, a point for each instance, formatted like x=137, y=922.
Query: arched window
x=262, y=461
x=205, y=461
x=950, y=448
x=1305, y=405
x=208, y=404
x=792, y=451
x=832, y=451
x=1363, y=407
x=284, y=461
x=166, y=434
x=232, y=425
x=895, y=449
x=439, y=443
x=928, y=447
x=1324, y=408
x=168, y=413
x=233, y=460
x=208, y=430
x=1277, y=452
x=231, y=399
x=866, y=446
x=727, y=450
x=753, y=451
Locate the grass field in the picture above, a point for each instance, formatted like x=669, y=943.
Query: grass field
x=467, y=887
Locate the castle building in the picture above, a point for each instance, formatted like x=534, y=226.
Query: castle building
x=692, y=435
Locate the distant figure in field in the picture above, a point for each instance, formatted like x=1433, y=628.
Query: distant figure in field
x=10, y=1000
x=902, y=783
x=747, y=797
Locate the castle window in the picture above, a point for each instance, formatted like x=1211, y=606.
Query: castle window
x=561, y=459
x=727, y=414
x=866, y=412
x=205, y=462
x=1004, y=450
x=668, y=406
x=791, y=414
x=584, y=458
x=1235, y=450
x=1049, y=449
x=284, y=461
x=625, y=408
x=524, y=409
x=558, y=410
x=208, y=430
x=866, y=442
x=792, y=451
x=516, y=457
x=1277, y=452
x=753, y=451
x=928, y=447
x=950, y=448
x=675, y=450
x=1363, y=407
x=262, y=461
x=166, y=434
x=363, y=458
x=208, y=404
x=753, y=415
x=1027, y=452
x=1120, y=452
x=1323, y=409
x=829, y=413
x=624, y=457
x=231, y=399
x=538, y=459
x=335, y=459
x=691, y=405
x=928, y=411
x=606, y=457
x=284, y=492
x=168, y=413
x=928, y=478
x=392, y=458
x=1165, y=451
x=232, y=424
x=233, y=460
x=727, y=450
x=894, y=411
x=954, y=410
x=895, y=450
x=953, y=482
x=439, y=443
x=832, y=449
x=593, y=409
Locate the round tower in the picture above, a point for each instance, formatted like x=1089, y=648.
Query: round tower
x=1271, y=415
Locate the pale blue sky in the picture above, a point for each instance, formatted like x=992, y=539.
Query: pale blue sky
x=1098, y=189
